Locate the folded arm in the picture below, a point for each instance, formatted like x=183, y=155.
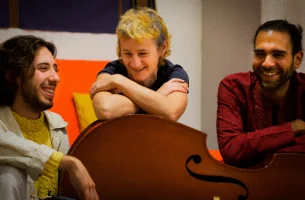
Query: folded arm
x=169, y=101
x=240, y=148
x=108, y=105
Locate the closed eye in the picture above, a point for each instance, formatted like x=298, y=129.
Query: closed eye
x=43, y=67
x=260, y=54
x=143, y=54
x=56, y=68
x=127, y=54
x=278, y=55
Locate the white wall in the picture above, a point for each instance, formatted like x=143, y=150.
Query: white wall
x=291, y=10
x=210, y=39
x=183, y=19
x=73, y=46
x=227, y=31
x=228, y=28
x=184, y=22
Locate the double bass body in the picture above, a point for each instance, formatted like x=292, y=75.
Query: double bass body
x=148, y=157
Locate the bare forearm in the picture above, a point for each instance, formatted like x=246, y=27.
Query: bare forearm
x=67, y=162
x=171, y=106
x=79, y=176
x=108, y=106
x=170, y=102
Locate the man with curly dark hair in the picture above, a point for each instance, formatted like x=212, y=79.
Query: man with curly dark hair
x=33, y=140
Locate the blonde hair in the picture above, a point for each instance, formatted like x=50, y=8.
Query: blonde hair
x=143, y=23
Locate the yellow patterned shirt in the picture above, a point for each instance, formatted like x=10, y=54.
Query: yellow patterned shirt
x=37, y=131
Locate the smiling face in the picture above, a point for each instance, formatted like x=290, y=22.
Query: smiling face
x=273, y=63
x=141, y=59
x=37, y=93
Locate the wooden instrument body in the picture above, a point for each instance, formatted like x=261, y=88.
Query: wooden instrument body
x=148, y=157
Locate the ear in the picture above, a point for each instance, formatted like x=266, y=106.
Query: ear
x=18, y=81
x=11, y=78
x=8, y=76
x=164, y=48
x=298, y=57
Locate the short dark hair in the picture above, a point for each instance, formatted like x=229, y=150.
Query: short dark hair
x=294, y=31
x=16, y=60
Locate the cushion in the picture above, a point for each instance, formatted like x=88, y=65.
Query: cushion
x=84, y=110
x=216, y=154
x=73, y=78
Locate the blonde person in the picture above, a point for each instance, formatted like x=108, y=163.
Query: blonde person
x=33, y=140
x=141, y=80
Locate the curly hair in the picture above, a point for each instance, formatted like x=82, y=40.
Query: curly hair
x=295, y=32
x=143, y=23
x=16, y=60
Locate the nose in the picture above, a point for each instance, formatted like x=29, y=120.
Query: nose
x=54, y=76
x=268, y=62
x=135, y=62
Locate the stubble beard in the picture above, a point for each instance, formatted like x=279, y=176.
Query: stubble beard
x=285, y=76
x=30, y=95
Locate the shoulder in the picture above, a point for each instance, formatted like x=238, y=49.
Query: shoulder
x=55, y=120
x=5, y=117
x=170, y=67
x=4, y=111
x=300, y=76
x=299, y=79
x=173, y=71
x=239, y=79
x=114, y=67
x=114, y=63
x=240, y=84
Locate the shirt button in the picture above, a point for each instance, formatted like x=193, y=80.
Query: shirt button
x=33, y=193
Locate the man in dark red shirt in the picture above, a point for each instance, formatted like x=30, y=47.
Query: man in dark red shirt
x=263, y=111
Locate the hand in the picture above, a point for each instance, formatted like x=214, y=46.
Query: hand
x=173, y=85
x=104, y=83
x=79, y=177
x=298, y=127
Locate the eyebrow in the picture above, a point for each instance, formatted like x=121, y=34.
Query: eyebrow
x=273, y=51
x=126, y=50
x=45, y=63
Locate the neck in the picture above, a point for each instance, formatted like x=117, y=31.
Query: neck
x=24, y=110
x=149, y=82
x=276, y=95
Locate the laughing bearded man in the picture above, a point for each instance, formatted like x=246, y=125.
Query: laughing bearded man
x=263, y=112
x=33, y=141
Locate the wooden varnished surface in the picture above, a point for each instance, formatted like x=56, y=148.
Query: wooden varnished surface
x=148, y=157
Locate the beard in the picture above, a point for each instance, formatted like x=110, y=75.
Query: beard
x=284, y=77
x=30, y=95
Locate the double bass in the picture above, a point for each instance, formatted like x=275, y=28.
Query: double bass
x=149, y=157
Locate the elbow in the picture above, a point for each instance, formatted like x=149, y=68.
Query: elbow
x=235, y=158
x=176, y=113
x=102, y=114
x=174, y=116
x=229, y=159
x=102, y=110
x=230, y=155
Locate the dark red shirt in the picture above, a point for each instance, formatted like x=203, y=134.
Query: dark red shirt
x=249, y=126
